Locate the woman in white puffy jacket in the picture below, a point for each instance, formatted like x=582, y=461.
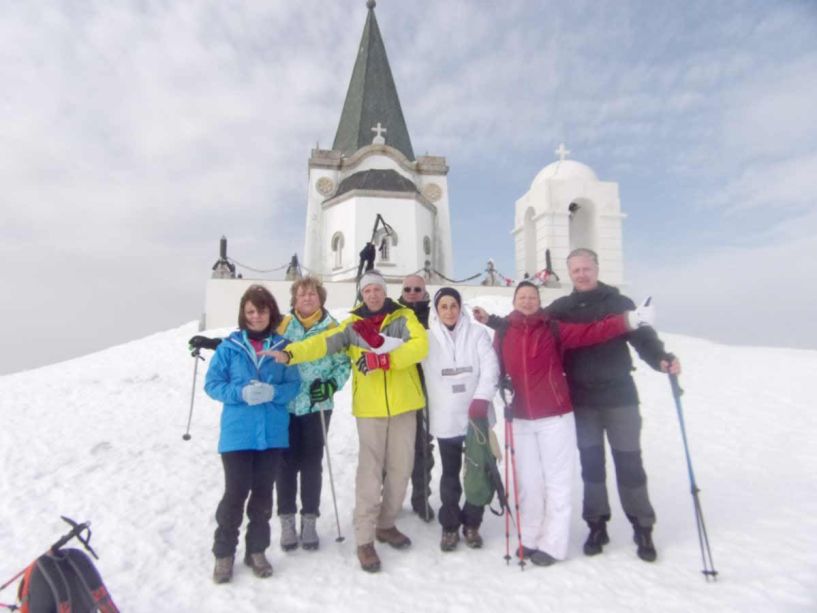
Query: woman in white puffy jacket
x=461, y=374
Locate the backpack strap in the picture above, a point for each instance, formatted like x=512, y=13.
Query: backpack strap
x=57, y=583
x=90, y=579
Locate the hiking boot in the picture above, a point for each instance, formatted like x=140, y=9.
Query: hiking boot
x=289, y=535
x=423, y=510
x=449, y=540
x=259, y=564
x=369, y=560
x=309, y=535
x=224, y=569
x=642, y=536
x=538, y=557
x=472, y=537
x=596, y=539
x=393, y=537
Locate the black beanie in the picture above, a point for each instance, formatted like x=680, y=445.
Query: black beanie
x=447, y=291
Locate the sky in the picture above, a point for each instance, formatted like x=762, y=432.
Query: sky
x=136, y=134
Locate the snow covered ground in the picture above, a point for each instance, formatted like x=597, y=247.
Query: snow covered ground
x=99, y=438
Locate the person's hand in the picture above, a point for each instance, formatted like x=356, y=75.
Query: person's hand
x=644, y=315
x=478, y=409
x=480, y=314
x=281, y=357
x=368, y=362
x=671, y=365
x=369, y=332
x=203, y=342
x=257, y=393
x=321, y=390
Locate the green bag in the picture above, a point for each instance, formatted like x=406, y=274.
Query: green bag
x=481, y=472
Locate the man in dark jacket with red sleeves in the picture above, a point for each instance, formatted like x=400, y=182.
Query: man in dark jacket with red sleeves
x=605, y=400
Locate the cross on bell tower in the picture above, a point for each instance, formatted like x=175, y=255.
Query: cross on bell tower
x=379, y=139
x=562, y=152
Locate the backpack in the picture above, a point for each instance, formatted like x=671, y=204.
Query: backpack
x=482, y=479
x=64, y=581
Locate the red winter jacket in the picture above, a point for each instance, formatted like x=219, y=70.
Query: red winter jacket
x=532, y=358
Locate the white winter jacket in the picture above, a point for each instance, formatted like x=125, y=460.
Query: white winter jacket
x=461, y=365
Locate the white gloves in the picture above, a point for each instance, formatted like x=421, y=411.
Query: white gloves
x=644, y=315
x=257, y=393
x=390, y=343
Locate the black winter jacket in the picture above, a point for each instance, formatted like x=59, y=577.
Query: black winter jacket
x=599, y=376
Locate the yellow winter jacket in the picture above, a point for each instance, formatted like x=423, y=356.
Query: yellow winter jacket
x=380, y=393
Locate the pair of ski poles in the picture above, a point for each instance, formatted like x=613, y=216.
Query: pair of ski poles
x=196, y=353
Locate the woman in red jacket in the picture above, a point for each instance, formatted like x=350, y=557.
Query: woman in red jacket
x=530, y=346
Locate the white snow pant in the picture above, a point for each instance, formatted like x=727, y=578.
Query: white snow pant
x=545, y=452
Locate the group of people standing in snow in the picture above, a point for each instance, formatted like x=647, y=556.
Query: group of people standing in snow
x=422, y=369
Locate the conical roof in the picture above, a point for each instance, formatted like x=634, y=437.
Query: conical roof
x=372, y=98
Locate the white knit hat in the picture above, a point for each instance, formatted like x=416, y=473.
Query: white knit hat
x=372, y=277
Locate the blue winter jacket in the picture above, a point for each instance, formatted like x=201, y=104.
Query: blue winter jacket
x=234, y=365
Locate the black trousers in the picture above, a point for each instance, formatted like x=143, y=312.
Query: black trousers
x=245, y=473
x=304, y=456
x=452, y=516
x=423, y=462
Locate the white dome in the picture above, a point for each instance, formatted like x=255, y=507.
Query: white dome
x=564, y=170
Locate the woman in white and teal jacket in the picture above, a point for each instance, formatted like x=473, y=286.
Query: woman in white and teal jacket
x=319, y=381
x=254, y=429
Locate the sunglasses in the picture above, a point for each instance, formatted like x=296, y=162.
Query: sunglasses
x=408, y=290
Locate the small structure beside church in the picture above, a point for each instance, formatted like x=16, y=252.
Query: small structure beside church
x=568, y=207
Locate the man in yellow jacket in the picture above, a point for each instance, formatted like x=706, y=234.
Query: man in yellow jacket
x=385, y=342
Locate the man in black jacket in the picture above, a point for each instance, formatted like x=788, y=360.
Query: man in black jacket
x=415, y=297
x=605, y=399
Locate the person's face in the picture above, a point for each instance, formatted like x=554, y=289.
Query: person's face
x=257, y=319
x=414, y=288
x=374, y=296
x=307, y=301
x=527, y=300
x=584, y=273
x=448, y=310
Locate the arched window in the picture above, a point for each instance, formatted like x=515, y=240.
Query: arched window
x=384, y=241
x=530, y=242
x=582, y=224
x=426, y=245
x=337, y=249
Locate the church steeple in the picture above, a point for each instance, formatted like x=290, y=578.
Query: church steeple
x=372, y=101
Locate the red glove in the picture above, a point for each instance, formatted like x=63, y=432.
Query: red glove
x=369, y=331
x=478, y=409
x=372, y=361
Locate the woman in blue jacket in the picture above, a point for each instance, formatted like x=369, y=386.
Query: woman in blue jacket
x=255, y=391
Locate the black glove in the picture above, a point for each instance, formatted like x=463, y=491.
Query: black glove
x=202, y=342
x=321, y=390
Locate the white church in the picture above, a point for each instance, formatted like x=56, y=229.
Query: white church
x=371, y=188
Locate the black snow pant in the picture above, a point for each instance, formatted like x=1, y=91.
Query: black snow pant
x=623, y=428
x=245, y=473
x=304, y=456
x=452, y=516
x=421, y=473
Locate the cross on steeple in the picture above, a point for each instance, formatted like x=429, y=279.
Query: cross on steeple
x=379, y=139
x=562, y=152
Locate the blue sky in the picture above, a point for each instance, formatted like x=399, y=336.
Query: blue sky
x=135, y=134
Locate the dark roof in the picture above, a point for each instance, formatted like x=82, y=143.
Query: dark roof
x=376, y=179
x=372, y=98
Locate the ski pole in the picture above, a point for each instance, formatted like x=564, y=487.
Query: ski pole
x=340, y=538
x=196, y=353
x=425, y=435
x=703, y=539
x=511, y=458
